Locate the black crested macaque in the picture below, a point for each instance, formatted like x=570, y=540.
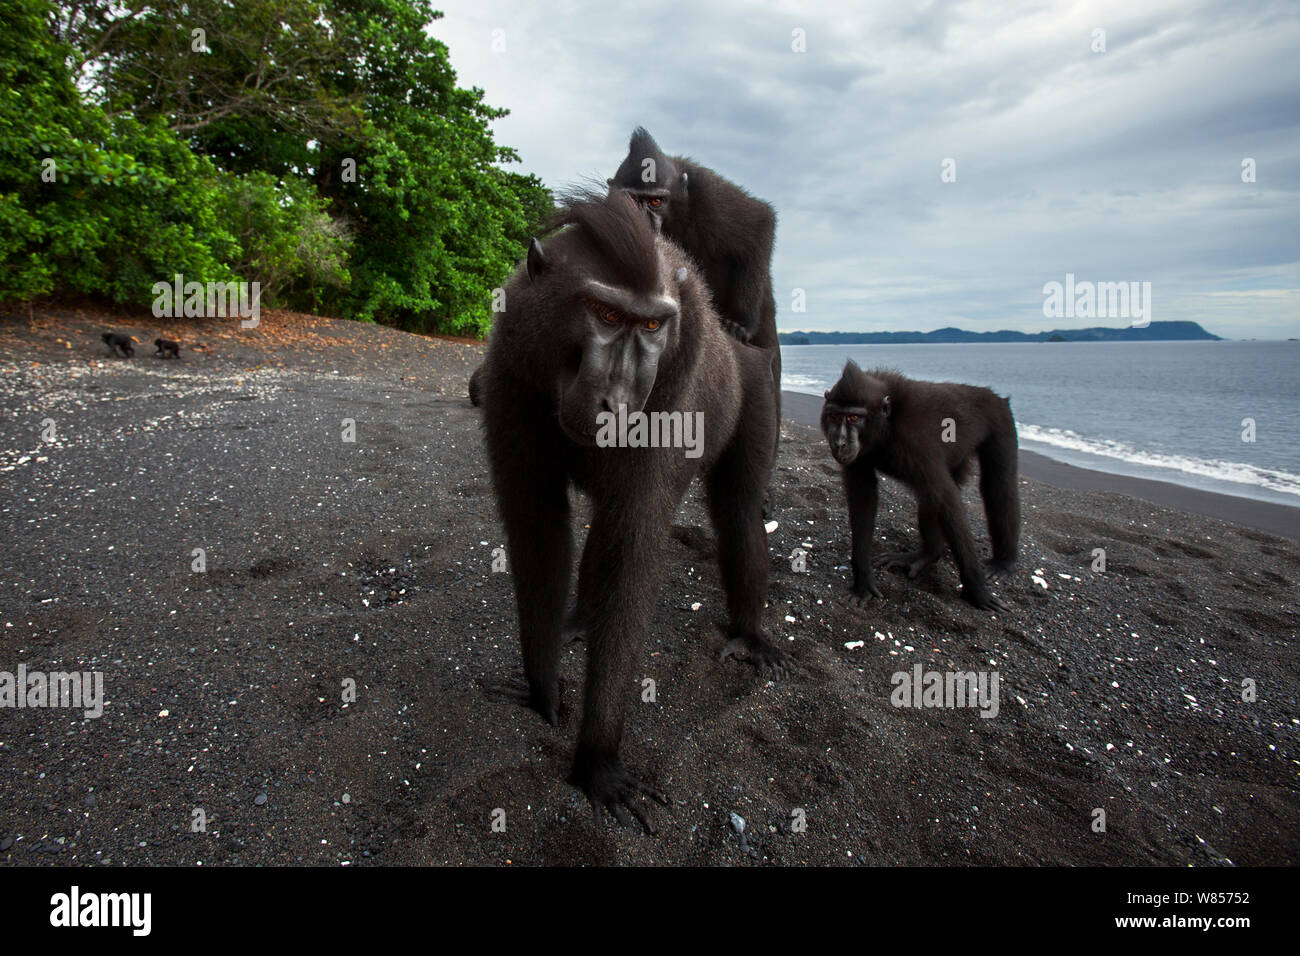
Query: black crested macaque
x=167, y=348
x=609, y=313
x=882, y=421
x=721, y=226
x=119, y=344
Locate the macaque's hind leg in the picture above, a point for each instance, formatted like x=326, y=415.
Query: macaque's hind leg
x=911, y=562
x=735, y=498
x=997, y=570
x=512, y=691
x=578, y=619
x=1000, y=490
x=956, y=529
x=760, y=653
x=931, y=550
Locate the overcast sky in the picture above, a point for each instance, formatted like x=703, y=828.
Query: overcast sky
x=1122, y=165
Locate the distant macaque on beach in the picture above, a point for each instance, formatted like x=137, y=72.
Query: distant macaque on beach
x=119, y=344
x=166, y=348
x=609, y=316
x=926, y=434
x=726, y=230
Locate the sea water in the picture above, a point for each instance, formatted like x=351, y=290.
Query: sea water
x=1184, y=412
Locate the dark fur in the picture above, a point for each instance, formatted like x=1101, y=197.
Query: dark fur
x=167, y=348
x=475, y=398
x=540, y=387
x=722, y=227
x=899, y=432
x=728, y=232
x=119, y=344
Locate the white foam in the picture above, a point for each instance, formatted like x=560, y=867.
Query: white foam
x=807, y=384
x=1283, y=482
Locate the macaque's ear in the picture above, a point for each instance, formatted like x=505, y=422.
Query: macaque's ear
x=884, y=406
x=609, y=182
x=827, y=395
x=536, y=260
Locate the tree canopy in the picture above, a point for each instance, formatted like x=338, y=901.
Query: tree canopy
x=322, y=149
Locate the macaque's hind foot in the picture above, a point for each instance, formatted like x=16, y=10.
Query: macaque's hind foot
x=618, y=793
x=768, y=659
x=999, y=567
x=512, y=691
x=913, y=562
x=863, y=595
x=982, y=598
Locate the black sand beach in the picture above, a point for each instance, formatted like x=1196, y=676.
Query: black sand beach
x=330, y=562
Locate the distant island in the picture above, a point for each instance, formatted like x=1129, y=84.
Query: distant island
x=1155, y=332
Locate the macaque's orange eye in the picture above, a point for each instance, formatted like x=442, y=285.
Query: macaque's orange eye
x=656, y=203
x=652, y=325
x=853, y=419
x=605, y=313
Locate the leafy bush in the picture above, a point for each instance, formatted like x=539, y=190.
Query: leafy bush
x=89, y=204
x=287, y=240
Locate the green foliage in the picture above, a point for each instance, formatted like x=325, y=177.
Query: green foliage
x=288, y=242
x=438, y=224
x=222, y=154
x=88, y=204
x=263, y=64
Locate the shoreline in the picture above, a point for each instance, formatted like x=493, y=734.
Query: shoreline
x=1268, y=516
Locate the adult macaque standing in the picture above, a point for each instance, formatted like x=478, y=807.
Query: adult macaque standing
x=610, y=316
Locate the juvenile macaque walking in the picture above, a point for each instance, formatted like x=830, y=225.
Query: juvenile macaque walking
x=927, y=435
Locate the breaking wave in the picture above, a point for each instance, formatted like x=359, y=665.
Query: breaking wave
x=1283, y=482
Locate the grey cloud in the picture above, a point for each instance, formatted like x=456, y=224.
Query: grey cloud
x=1120, y=165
